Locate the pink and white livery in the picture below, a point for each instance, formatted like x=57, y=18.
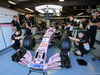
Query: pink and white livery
x=39, y=60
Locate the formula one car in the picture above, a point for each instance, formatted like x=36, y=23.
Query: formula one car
x=30, y=41
x=56, y=61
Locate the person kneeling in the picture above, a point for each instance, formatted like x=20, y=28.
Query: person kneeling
x=18, y=41
x=83, y=44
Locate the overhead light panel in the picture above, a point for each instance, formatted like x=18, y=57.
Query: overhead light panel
x=51, y=8
x=40, y=14
x=57, y=11
x=50, y=11
x=12, y=2
x=41, y=11
x=61, y=0
x=29, y=9
x=58, y=14
x=80, y=14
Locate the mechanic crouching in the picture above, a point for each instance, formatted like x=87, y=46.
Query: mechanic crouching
x=17, y=38
x=83, y=44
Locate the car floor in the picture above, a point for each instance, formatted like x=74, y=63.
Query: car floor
x=8, y=67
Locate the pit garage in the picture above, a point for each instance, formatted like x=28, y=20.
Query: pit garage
x=49, y=37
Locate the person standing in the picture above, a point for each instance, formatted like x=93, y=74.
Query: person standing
x=15, y=24
x=43, y=24
x=28, y=25
x=63, y=25
x=57, y=24
x=70, y=26
x=92, y=29
x=83, y=24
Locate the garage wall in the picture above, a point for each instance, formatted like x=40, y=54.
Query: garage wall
x=7, y=33
x=6, y=16
x=2, y=44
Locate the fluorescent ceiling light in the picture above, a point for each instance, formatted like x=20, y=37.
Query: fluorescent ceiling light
x=50, y=11
x=40, y=14
x=11, y=2
x=41, y=11
x=61, y=0
x=80, y=14
x=58, y=14
x=29, y=9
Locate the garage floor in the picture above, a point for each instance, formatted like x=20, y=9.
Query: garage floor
x=8, y=67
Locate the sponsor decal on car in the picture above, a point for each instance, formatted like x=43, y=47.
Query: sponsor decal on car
x=45, y=40
x=36, y=66
x=43, y=44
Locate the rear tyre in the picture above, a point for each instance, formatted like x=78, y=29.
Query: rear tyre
x=29, y=42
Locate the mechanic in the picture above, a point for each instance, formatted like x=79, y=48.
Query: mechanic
x=28, y=25
x=83, y=24
x=43, y=24
x=82, y=43
x=15, y=24
x=57, y=24
x=17, y=38
x=63, y=25
x=70, y=26
x=92, y=28
x=39, y=28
